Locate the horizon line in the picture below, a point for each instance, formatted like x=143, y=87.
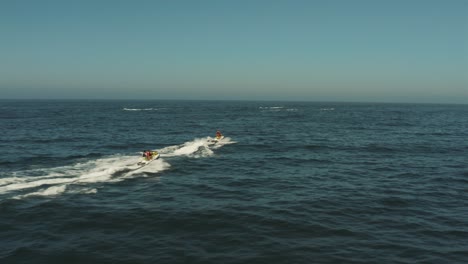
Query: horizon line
x=229, y=100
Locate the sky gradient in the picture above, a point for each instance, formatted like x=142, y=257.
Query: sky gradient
x=360, y=50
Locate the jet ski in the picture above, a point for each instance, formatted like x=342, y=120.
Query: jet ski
x=154, y=155
x=215, y=139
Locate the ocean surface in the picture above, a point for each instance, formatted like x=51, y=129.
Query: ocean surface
x=291, y=182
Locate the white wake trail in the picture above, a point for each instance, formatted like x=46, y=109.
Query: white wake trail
x=55, y=181
x=197, y=148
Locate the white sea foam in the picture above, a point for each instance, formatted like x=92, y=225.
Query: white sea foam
x=197, y=148
x=94, y=171
x=84, y=191
x=140, y=109
x=276, y=109
x=51, y=191
x=154, y=167
x=271, y=108
x=54, y=181
x=33, y=183
x=9, y=180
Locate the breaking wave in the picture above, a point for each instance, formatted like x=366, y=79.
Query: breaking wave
x=276, y=109
x=140, y=109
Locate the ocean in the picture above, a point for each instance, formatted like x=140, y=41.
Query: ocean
x=291, y=182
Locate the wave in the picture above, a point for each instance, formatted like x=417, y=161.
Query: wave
x=115, y=168
x=276, y=109
x=271, y=107
x=54, y=190
x=140, y=109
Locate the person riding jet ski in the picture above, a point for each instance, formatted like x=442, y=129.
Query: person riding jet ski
x=218, y=134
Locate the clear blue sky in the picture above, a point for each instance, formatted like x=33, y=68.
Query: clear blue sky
x=348, y=50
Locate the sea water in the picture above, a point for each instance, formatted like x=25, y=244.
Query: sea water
x=292, y=182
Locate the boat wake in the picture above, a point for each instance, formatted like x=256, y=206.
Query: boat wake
x=84, y=177
x=197, y=148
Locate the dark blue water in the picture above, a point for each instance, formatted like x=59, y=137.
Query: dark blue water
x=290, y=183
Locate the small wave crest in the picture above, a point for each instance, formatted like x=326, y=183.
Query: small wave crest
x=140, y=109
x=271, y=107
x=276, y=109
x=51, y=191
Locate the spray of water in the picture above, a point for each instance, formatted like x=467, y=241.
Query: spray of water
x=58, y=180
